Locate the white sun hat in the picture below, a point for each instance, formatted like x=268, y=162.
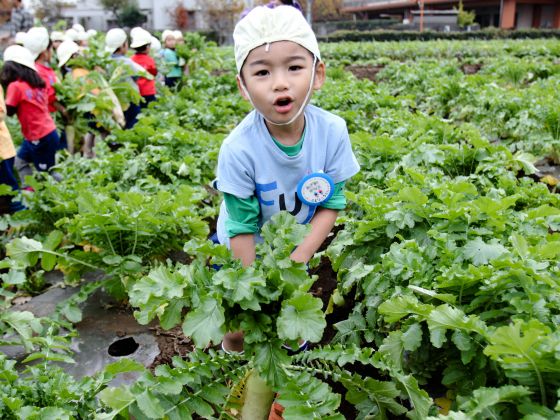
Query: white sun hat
x=82, y=36
x=264, y=25
x=65, y=51
x=20, y=55
x=134, y=30
x=140, y=37
x=57, y=36
x=71, y=35
x=78, y=28
x=166, y=34
x=114, y=39
x=36, y=41
x=20, y=38
x=178, y=34
x=155, y=45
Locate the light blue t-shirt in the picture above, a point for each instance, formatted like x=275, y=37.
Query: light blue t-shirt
x=171, y=63
x=250, y=163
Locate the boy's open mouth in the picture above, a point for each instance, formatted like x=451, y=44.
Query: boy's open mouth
x=283, y=105
x=283, y=101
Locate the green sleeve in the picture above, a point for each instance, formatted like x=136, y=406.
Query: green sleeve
x=337, y=200
x=243, y=215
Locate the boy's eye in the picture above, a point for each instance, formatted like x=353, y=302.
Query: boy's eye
x=262, y=72
x=295, y=67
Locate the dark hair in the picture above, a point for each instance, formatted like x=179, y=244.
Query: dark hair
x=12, y=71
x=142, y=48
x=288, y=2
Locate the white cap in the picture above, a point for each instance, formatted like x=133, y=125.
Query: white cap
x=65, y=51
x=178, y=34
x=165, y=34
x=57, y=36
x=36, y=41
x=71, y=35
x=20, y=38
x=20, y=55
x=91, y=32
x=155, y=46
x=264, y=25
x=114, y=39
x=140, y=37
x=82, y=36
x=134, y=30
x=78, y=28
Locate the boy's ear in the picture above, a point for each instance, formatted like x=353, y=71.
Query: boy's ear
x=320, y=75
x=240, y=87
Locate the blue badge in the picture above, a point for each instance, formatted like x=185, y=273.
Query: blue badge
x=314, y=189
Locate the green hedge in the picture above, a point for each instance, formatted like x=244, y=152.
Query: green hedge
x=490, y=33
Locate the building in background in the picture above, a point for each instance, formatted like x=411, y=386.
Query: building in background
x=507, y=14
x=160, y=14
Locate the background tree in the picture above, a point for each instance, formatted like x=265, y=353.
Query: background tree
x=48, y=10
x=180, y=15
x=319, y=10
x=131, y=16
x=115, y=6
x=464, y=18
x=221, y=16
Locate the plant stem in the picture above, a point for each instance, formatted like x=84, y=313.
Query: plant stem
x=68, y=257
x=258, y=398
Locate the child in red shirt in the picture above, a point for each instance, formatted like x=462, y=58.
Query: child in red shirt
x=141, y=41
x=26, y=95
x=40, y=45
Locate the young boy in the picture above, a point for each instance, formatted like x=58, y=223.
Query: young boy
x=282, y=140
x=141, y=42
x=116, y=43
x=40, y=46
x=170, y=58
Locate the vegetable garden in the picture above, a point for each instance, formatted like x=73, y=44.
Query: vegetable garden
x=438, y=296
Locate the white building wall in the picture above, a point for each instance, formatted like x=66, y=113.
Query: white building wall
x=94, y=16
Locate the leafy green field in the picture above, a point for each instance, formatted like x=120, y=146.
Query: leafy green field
x=447, y=258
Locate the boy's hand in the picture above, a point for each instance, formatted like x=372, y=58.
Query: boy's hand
x=243, y=247
x=321, y=225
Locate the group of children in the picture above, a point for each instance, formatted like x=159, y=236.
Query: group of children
x=28, y=77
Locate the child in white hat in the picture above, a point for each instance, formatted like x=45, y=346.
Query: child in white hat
x=26, y=96
x=286, y=154
x=141, y=43
x=67, y=52
x=39, y=44
x=170, y=58
x=56, y=38
x=116, y=43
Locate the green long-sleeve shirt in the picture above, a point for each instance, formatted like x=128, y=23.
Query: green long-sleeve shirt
x=243, y=213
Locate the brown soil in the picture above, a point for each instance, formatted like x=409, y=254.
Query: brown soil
x=171, y=343
x=365, y=72
x=471, y=68
x=326, y=283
